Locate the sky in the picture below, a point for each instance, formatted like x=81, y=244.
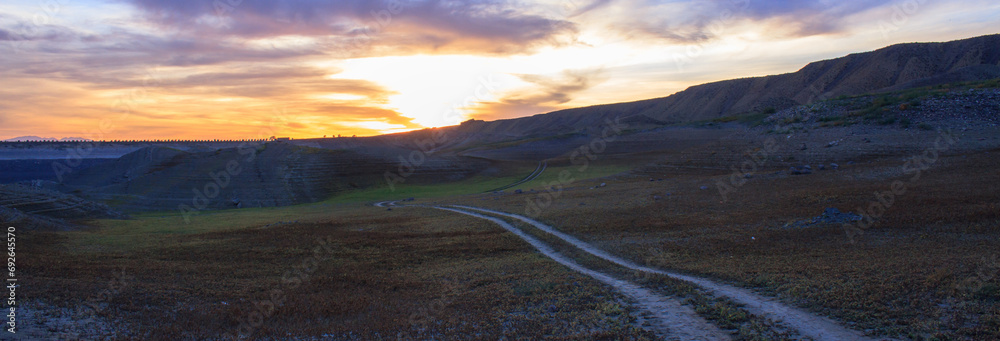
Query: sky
x=240, y=69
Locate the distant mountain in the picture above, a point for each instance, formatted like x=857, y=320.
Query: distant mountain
x=891, y=68
x=45, y=139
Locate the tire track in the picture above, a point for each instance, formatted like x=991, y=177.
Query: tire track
x=669, y=318
x=534, y=174
x=807, y=324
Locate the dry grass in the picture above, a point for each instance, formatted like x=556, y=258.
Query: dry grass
x=412, y=274
x=918, y=273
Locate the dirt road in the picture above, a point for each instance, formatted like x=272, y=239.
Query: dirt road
x=807, y=324
x=667, y=316
x=534, y=174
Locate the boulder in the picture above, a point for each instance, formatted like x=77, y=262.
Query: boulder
x=801, y=170
x=833, y=216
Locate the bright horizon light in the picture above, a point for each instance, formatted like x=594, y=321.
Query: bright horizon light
x=184, y=70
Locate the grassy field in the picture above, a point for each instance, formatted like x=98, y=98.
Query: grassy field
x=356, y=272
x=926, y=270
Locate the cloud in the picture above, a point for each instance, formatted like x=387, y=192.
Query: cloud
x=687, y=22
x=27, y=31
x=547, y=94
x=589, y=7
x=436, y=26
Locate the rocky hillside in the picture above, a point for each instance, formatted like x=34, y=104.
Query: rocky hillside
x=31, y=208
x=37, y=201
x=892, y=68
x=263, y=175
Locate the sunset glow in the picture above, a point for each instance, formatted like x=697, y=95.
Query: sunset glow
x=188, y=69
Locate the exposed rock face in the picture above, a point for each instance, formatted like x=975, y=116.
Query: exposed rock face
x=47, y=203
x=32, y=208
x=23, y=221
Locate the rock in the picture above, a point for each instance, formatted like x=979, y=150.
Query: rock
x=657, y=197
x=833, y=216
x=518, y=191
x=389, y=209
x=602, y=185
x=801, y=170
x=803, y=147
x=821, y=167
x=409, y=199
x=834, y=166
x=832, y=144
x=704, y=187
x=651, y=180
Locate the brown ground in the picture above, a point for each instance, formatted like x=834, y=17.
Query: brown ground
x=408, y=275
x=925, y=270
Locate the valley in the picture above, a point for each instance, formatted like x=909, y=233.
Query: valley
x=871, y=213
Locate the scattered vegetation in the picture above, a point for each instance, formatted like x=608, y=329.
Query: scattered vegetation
x=918, y=273
x=400, y=275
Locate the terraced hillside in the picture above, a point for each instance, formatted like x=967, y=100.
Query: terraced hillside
x=266, y=175
x=36, y=208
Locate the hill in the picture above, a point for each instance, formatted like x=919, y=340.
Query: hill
x=45, y=139
x=892, y=68
x=262, y=175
